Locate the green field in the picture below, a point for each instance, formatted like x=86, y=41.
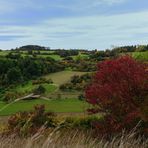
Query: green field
x=42, y=55
x=141, y=55
x=57, y=105
x=80, y=56
x=4, y=53
x=54, y=56
x=45, y=54
x=29, y=87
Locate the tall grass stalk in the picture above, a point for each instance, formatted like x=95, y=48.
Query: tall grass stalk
x=71, y=139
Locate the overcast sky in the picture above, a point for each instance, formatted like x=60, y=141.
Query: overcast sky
x=89, y=24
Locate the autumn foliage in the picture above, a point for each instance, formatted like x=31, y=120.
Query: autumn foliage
x=119, y=90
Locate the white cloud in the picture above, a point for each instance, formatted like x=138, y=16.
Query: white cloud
x=82, y=32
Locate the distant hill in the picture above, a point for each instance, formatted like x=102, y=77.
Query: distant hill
x=33, y=47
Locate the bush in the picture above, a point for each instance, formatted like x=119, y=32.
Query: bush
x=28, y=123
x=119, y=90
x=39, y=90
x=13, y=76
x=77, y=83
x=68, y=59
x=42, y=81
x=79, y=123
x=9, y=96
x=81, y=97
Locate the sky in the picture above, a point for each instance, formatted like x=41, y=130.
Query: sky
x=83, y=24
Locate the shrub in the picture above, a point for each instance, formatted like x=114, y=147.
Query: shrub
x=13, y=76
x=68, y=59
x=39, y=90
x=79, y=123
x=81, y=97
x=77, y=82
x=119, y=90
x=28, y=123
x=9, y=96
x=42, y=81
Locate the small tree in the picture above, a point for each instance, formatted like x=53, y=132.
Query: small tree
x=119, y=90
x=9, y=96
x=13, y=76
x=40, y=90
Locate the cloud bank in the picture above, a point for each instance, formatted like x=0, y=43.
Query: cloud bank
x=64, y=24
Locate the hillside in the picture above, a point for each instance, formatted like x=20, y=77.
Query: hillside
x=54, y=70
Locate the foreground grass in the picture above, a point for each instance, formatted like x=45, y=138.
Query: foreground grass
x=56, y=105
x=71, y=139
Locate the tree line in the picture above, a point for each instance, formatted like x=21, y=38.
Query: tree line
x=18, y=70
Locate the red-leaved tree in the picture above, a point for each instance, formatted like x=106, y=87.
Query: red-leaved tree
x=119, y=90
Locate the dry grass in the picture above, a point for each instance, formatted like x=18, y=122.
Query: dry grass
x=63, y=76
x=71, y=139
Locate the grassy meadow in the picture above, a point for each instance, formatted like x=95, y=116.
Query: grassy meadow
x=141, y=55
x=56, y=105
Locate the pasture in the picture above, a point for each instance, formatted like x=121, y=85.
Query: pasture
x=29, y=87
x=53, y=56
x=55, y=105
x=140, y=55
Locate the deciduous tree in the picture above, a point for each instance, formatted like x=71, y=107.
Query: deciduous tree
x=119, y=89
